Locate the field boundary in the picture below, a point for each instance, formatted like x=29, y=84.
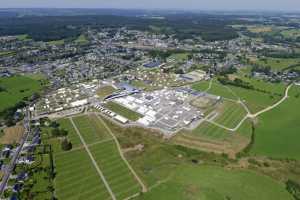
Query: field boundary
x=144, y=188
x=93, y=161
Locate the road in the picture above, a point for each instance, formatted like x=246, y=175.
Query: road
x=286, y=95
x=12, y=164
x=249, y=115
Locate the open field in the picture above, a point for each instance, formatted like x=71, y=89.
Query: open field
x=77, y=178
x=91, y=129
x=201, y=86
x=15, y=89
x=107, y=156
x=215, y=183
x=81, y=40
x=260, y=29
x=230, y=114
x=276, y=133
x=291, y=33
x=105, y=91
x=56, y=42
x=115, y=170
x=277, y=63
x=12, y=135
x=121, y=110
x=179, y=56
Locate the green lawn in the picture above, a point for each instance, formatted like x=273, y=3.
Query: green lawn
x=91, y=129
x=15, y=89
x=107, y=156
x=215, y=183
x=201, y=86
x=278, y=63
x=210, y=131
x=121, y=110
x=81, y=40
x=230, y=114
x=277, y=132
x=116, y=172
x=56, y=42
x=77, y=178
x=105, y=91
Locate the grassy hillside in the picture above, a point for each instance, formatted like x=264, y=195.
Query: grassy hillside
x=215, y=183
x=277, y=132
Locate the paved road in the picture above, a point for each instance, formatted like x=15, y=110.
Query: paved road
x=93, y=161
x=12, y=164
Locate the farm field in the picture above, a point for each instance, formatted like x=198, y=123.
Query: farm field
x=216, y=183
x=276, y=133
x=121, y=110
x=230, y=114
x=15, y=88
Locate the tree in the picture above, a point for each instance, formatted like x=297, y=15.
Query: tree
x=66, y=145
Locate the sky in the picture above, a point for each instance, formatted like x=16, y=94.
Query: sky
x=285, y=5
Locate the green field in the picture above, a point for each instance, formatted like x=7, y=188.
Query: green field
x=179, y=56
x=215, y=183
x=56, y=42
x=277, y=132
x=278, y=63
x=81, y=40
x=106, y=154
x=105, y=91
x=77, y=178
x=15, y=89
x=255, y=100
x=115, y=170
x=210, y=131
x=91, y=129
x=230, y=114
x=201, y=86
x=121, y=110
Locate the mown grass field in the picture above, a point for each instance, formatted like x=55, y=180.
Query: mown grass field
x=15, y=89
x=121, y=110
x=105, y=91
x=210, y=131
x=255, y=100
x=91, y=129
x=215, y=183
x=201, y=86
x=82, y=40
x=115, y=170
x=106, y=154
x=276, y=134
x=77, y=178
x=230, y=114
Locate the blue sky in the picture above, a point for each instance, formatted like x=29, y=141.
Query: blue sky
x=161, y=4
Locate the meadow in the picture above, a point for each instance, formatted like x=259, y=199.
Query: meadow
x=16, y=88
x=276, y=133
x=230, y=114
x=77, y=178
x=216, y=183
x=107, y=156
x=123, y=111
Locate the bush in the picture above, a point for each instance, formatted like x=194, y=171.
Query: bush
x=66, y=145
x=293, y=188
